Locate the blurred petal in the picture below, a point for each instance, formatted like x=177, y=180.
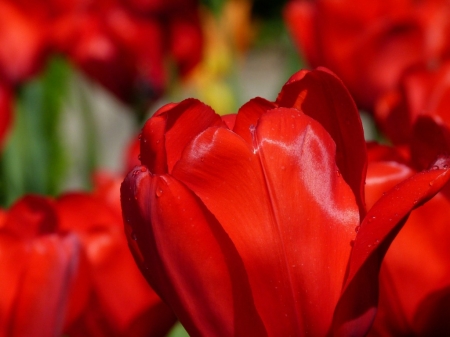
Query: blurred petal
x=117, y=281
x=40, y=276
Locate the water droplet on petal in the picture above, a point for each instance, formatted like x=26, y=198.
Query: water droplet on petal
x=139, y=156
x=338, y=173
x=133, y=236
x=140, y=136
x=357, y=228
x=143, y=169
x=158, y=192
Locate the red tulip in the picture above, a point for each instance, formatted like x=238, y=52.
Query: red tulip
x=116, y=282
x=421, y=92
x=125, y=50
x=70, y=270
x=40, y=271
x=369, y=44
x=415, y=274
x=249, y=231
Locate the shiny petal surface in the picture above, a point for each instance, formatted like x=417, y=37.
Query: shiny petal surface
x=164, y=136
x=287, y=210
x=323, y=96
x=356, y=309
x=187, y=257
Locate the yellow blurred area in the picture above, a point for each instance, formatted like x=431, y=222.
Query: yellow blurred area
x=227, y=38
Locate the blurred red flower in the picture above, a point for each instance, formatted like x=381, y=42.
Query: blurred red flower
x=369, y=44
x=420, y=92
x=126, y=49
x=43, y=271
x=106, y=297
x=247, y=226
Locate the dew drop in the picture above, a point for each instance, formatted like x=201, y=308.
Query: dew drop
x=435, y=167
x=140, y=136
x=338, y=173
x=139, y=156
x=143, y=169
x=157, y=142
x=357, y=228
x=368, y=246
x=430, y=183
x=158, y=192
x=133, y=236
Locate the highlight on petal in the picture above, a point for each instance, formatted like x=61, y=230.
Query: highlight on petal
x=322, y=96
x=286, y=245
x=357, y=306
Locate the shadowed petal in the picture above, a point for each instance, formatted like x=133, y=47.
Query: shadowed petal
x=187, y=257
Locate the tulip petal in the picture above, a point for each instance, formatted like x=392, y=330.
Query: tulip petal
x=116, y=280
x=31, y=216
x=248, y=117
x=187, y=257
x=416, y=264
x=323, y=96
x=164, y=136
x=44, y=269
x=357, y=306
x=431, y=139
x=286, y=208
